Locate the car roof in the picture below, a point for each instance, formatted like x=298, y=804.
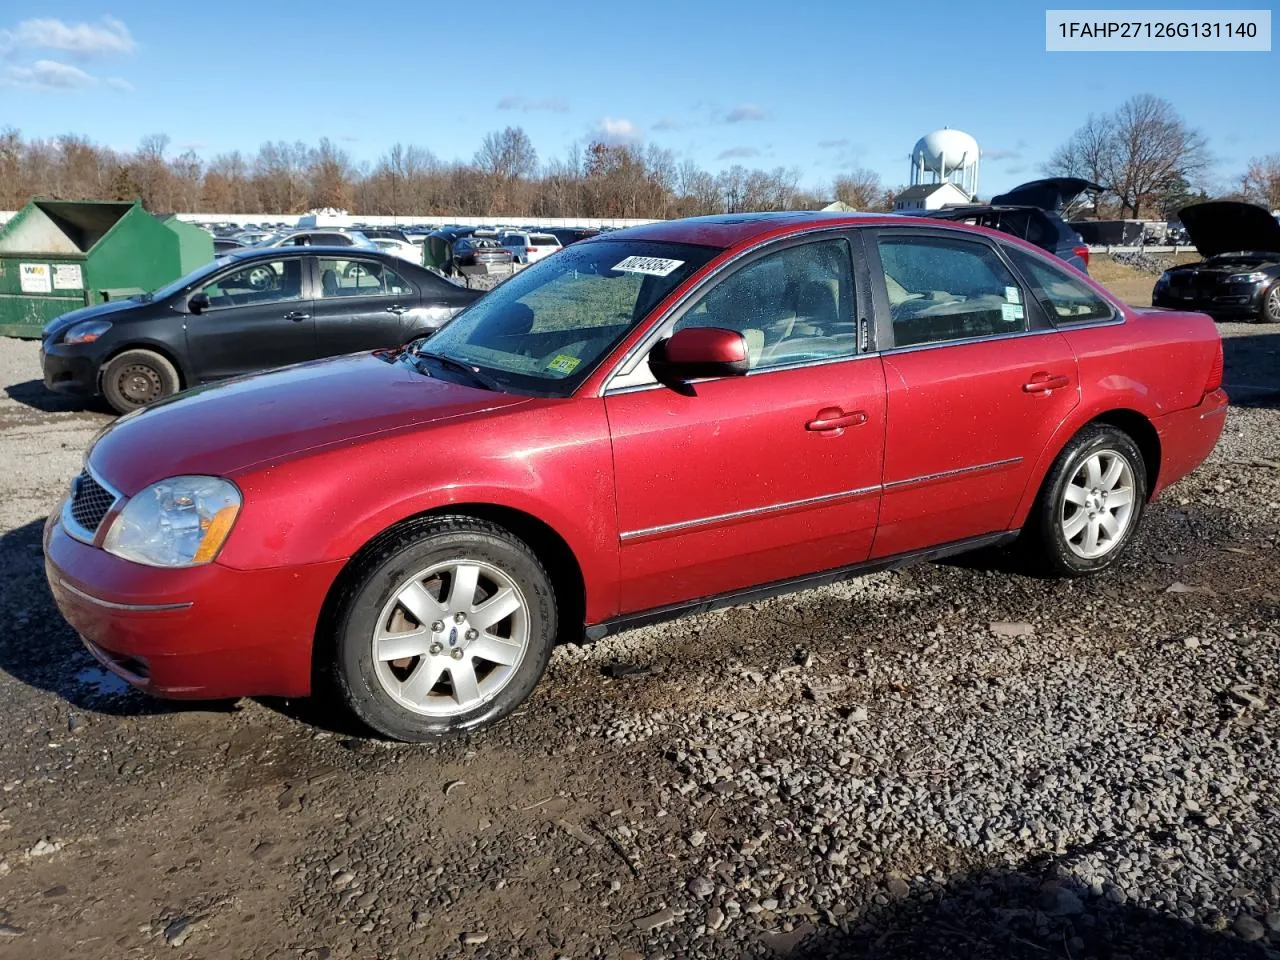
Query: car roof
x=730, y=230
x=270, y=253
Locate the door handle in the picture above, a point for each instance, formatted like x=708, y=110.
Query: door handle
x=833, y=418
x=1044, y=382
x=397, y=309
x=297, y=316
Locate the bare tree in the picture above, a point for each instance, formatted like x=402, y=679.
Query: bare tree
x=1261, y=181
x=1140, y=152
x=504, y=158
x=604, y=180
x=859, y=188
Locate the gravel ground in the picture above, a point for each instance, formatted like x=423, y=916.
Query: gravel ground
x=953, y=760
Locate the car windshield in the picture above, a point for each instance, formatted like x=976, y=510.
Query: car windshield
x=546, y=328
x=192, y=278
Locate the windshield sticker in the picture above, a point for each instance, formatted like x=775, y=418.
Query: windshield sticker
x=1010, y=312
x=1012, y=295
x=563, y=363
x=653, y=266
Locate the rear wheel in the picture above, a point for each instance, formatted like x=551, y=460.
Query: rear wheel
x=447, y=627
x=135, y=378
x=1090, y=504
x=1270, y=309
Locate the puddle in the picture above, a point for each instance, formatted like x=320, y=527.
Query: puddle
x=103, y=683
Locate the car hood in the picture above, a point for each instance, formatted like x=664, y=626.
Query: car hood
x=1051, y=193
x=225, y=428
x=1225, y=226
x=99, y=311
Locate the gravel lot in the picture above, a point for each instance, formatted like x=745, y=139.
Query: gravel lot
x=954, y=760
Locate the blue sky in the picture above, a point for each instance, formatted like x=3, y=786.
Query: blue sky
x=820, y=86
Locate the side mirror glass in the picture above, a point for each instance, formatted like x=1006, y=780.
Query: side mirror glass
x=697, y=353
x=198, y=302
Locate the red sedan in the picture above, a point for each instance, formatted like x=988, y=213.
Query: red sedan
x=657, y=421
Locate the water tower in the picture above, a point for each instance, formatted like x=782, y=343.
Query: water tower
x=946, y=155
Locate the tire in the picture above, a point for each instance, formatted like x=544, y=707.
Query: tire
x=134, y=378
x=1269, y=309
x=1065, y=535
x=423, y=566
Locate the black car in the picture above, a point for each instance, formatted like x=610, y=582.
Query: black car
x=480, y=252
x=246, y=312
x=1032, y=211
x=567, y=235
x=385, y=233
x=223, y=245
x=1239, y=277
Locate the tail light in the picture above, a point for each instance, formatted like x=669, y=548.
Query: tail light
x=1082, y=252
x=1215, y=371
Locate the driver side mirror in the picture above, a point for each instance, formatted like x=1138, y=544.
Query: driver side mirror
x=198, y=302
x=699, y=352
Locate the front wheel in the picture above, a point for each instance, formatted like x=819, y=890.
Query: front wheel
x=447, y=627
x=1090, y=504
x=1269, y=312
x=135, y=378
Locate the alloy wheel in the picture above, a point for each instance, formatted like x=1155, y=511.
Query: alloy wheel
x=1272, y=305
x=451, y=637
x=1097, y=504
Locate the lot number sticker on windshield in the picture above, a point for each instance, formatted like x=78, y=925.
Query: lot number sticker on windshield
x=654, y=266
x=563, y=363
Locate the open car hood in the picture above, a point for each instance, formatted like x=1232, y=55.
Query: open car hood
x=1226, y=226
x=1052, y=193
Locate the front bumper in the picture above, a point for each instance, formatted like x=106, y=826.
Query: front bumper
x=208, y=632
x=1187, y=437
x=1226, y=304
x=66, y=369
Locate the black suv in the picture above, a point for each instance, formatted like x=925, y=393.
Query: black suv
x=1031, y=211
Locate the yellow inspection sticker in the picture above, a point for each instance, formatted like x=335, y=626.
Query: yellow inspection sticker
x=564, y=363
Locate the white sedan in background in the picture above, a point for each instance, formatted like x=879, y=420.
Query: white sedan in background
x=529, y=247
x=399, y=248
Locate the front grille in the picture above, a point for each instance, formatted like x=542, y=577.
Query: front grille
x=90, y=502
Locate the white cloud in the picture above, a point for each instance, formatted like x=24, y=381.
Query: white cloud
x=738, y=153
x=667, y=123
x=833, y=144
x=745, y=112
x=51, y=75
x=619, y=132
x=107, y=36
x=1001, y=153
x=525, y=105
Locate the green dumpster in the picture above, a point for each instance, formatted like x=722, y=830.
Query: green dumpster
x=59, y=255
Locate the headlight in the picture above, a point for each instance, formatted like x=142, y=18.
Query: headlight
x=1246, y=277
x=179, y=522
x=86, y=332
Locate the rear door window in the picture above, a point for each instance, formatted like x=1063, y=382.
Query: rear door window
x=1068, y=299
x=942, y=289
x=341, y=277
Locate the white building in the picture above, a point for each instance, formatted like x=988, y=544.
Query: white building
x=931, y=196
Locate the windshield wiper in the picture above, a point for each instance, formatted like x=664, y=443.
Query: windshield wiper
x=486, y=381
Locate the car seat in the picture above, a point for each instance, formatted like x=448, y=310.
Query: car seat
x=329, y=283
